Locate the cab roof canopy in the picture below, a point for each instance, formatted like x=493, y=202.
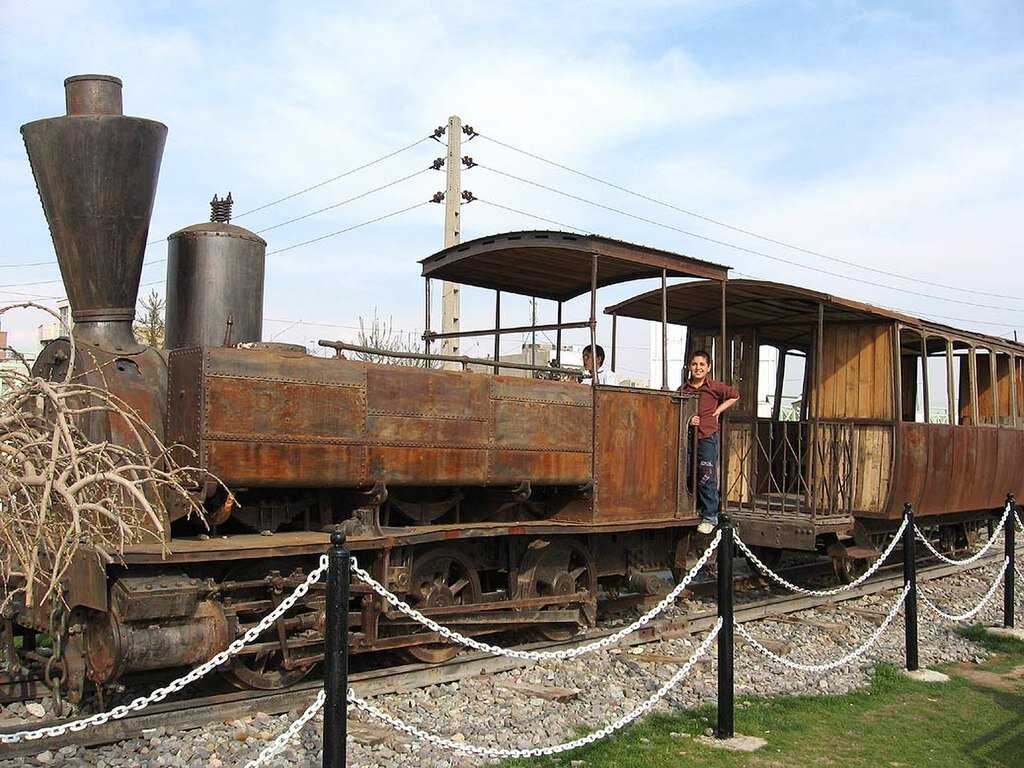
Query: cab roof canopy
x=558, y=265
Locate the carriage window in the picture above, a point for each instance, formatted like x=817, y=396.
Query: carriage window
x=963, y=392
x=767, y=380
x=912, y=377
x=1004, y=390
x=793, y=402
x=780, y=383
x=938, y=380
x=983, y=363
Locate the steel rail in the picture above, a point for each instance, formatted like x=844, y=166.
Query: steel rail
x=199, y=712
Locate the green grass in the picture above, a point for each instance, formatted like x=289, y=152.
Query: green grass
x=977, y=720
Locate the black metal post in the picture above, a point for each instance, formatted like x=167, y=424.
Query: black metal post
x=910, y=577
x=1010, y=540
x=336, y=653
x=725, y=613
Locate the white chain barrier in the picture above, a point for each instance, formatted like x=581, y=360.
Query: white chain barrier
x=832, y=664
x=822, y=592
x=279, y=743
x=496, y=752
x=140, y=703
x=1020, y=524
x=569, y=653
x=976, y=609
x=973, y=558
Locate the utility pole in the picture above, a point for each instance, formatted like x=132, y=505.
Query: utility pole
x=452, y=231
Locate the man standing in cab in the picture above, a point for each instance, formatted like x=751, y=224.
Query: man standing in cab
x=714, y=397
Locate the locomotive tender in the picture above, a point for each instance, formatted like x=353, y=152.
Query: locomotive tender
x=487, y=501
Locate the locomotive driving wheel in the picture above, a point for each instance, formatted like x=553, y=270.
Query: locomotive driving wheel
x=268, y=668
x=560, y=567
x=441, y=577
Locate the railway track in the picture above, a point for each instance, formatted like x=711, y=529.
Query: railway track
x=198, y=712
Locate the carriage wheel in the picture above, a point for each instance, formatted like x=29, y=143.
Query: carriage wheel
x=441, y=577
x=849, y=569
x=561, y=567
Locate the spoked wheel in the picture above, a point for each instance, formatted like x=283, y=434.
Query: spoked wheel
x=770, y=556
x=441, y=577
x=265, y=669
x=849, y=569
x=953, y=540
x=560, y=567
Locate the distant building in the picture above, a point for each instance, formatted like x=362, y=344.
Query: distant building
x=50, y=331
x=535, y=354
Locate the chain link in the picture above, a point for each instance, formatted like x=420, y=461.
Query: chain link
x=976, y=609
x=822, y=592
x=497, y=650
x=977, y=555
x=832, y=664
x=140, y=703
x=279, y=743
x=495, y=752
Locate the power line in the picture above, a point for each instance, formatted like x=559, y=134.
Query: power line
x=344, y=202
x=334, y=178
x=530, y=215
x=31, y=264
x=349, y=229
x=733, y=245
x=323, y=183
x=741, y=230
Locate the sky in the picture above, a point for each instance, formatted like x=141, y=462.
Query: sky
x=867, y=149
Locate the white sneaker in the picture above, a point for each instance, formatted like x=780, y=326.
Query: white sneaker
x=705, y=527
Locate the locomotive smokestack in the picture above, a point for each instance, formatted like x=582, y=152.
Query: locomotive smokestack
x=96, y=171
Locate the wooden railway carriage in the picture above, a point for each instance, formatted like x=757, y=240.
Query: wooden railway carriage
x=887, y=409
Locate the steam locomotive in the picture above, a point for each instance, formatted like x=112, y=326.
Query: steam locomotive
x=488, y=501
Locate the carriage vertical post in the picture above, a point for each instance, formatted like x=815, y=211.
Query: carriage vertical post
x=910, y=577
x=1009, y=539
x=336, y=653
x=725, y=634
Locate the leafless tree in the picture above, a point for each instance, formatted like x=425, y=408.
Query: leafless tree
x=62, y=494
x=149, y=323
x=381, y=335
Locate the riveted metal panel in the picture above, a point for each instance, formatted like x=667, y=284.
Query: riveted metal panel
x=423, y=465
x=637, y=454
x=285, y=464
x=263, y=410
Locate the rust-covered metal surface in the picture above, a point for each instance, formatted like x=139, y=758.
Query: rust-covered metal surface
x=641, y=455
x=558, y=265
x=263, y=418
x=944, y=469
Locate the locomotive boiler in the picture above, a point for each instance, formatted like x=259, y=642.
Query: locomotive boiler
x=489, y=501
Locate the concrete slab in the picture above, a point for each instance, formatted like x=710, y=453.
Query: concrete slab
x=738, y=743
x=1015, y=632
x=927, y=676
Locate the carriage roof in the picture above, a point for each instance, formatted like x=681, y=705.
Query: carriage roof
x=782, y=313
x=558, y=265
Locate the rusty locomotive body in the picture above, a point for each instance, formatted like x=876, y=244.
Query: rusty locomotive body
x=488, y=501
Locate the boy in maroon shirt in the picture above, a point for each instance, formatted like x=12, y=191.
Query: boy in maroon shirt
x=714, y=397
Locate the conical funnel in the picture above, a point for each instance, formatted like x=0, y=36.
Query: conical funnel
x=96, y=171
